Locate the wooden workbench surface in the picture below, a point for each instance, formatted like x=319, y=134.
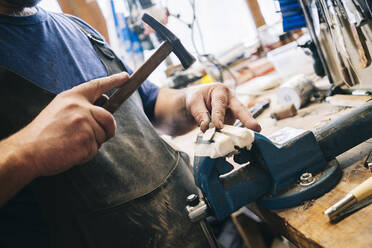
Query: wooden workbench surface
x=306, y=226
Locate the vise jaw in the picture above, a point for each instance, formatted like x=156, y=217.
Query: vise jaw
x=286, y=155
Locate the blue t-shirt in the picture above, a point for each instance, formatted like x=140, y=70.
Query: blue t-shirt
x=52, y=52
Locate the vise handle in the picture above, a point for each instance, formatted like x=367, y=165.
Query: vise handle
x=345, y=132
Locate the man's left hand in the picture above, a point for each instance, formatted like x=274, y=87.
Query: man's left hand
x=216, y=103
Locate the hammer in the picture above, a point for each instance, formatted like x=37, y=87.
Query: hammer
x=170, y=44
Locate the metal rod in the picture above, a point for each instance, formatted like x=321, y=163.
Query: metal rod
x=316, y=41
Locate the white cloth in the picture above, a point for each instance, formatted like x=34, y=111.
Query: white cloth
x=225, y=141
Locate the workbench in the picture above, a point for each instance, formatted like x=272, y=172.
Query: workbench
x=306, y=225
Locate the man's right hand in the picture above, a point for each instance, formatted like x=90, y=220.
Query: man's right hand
x=70, y=130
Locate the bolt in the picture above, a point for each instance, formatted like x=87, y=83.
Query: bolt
x=192, y=200
x=306, y=179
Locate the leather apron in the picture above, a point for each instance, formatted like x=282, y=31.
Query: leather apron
x=131, y=194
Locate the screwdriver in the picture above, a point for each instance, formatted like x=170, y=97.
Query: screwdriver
x=361, y=192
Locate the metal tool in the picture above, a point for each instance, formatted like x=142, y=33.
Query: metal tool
x=347, y=212
x=335, y=29
x=209, y=134
x=358, y=194
x=352, y=13
x=255, y=111
x=270, y=171
x=356, y=19
x=258, y=108
x=313, y=34
x=317, y=64
x=171, y=44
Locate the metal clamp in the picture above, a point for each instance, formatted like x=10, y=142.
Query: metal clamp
x=197, y=211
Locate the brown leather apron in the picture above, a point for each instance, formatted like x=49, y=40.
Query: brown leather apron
x=131, y=194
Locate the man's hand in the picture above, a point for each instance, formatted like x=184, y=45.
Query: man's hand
x=67, y=132
x=218, y=102
x=70, y=129
x=178, y=111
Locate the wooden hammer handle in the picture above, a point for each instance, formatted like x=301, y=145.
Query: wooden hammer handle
x=138, y=77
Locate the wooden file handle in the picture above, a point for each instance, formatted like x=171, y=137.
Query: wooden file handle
x=363, y=191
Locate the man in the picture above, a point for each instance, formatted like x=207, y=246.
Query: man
x=129, y=193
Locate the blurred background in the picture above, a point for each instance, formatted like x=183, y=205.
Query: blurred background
x=204, y=27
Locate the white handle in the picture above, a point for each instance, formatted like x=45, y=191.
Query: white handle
x=364, y=190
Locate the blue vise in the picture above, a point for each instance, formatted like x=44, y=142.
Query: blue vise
x=267, y=168
x=269, y=172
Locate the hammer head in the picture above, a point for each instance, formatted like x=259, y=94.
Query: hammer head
x=179, y=50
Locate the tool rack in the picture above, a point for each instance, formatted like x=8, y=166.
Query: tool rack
x=323, y=23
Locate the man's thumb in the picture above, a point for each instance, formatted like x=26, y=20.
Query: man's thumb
x=92, y=90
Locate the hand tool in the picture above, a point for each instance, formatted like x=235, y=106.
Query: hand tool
x=258, y=108
x=336, y=12
x=361, y=192
x=171, y=44
x=255, y=111
x=317, y=64
x=349, y=211
x=334, y=26
x=356, y=19
x=313, y=34
x=269, y=172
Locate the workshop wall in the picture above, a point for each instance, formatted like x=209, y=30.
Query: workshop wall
x=223, y=23
x=269, y=10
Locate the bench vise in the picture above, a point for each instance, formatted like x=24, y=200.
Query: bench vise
x=281, y=171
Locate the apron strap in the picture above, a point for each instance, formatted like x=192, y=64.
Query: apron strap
x=108, y=58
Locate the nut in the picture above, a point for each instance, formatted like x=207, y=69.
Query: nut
x=306, y=179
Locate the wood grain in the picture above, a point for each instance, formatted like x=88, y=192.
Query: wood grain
x=306, y=225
